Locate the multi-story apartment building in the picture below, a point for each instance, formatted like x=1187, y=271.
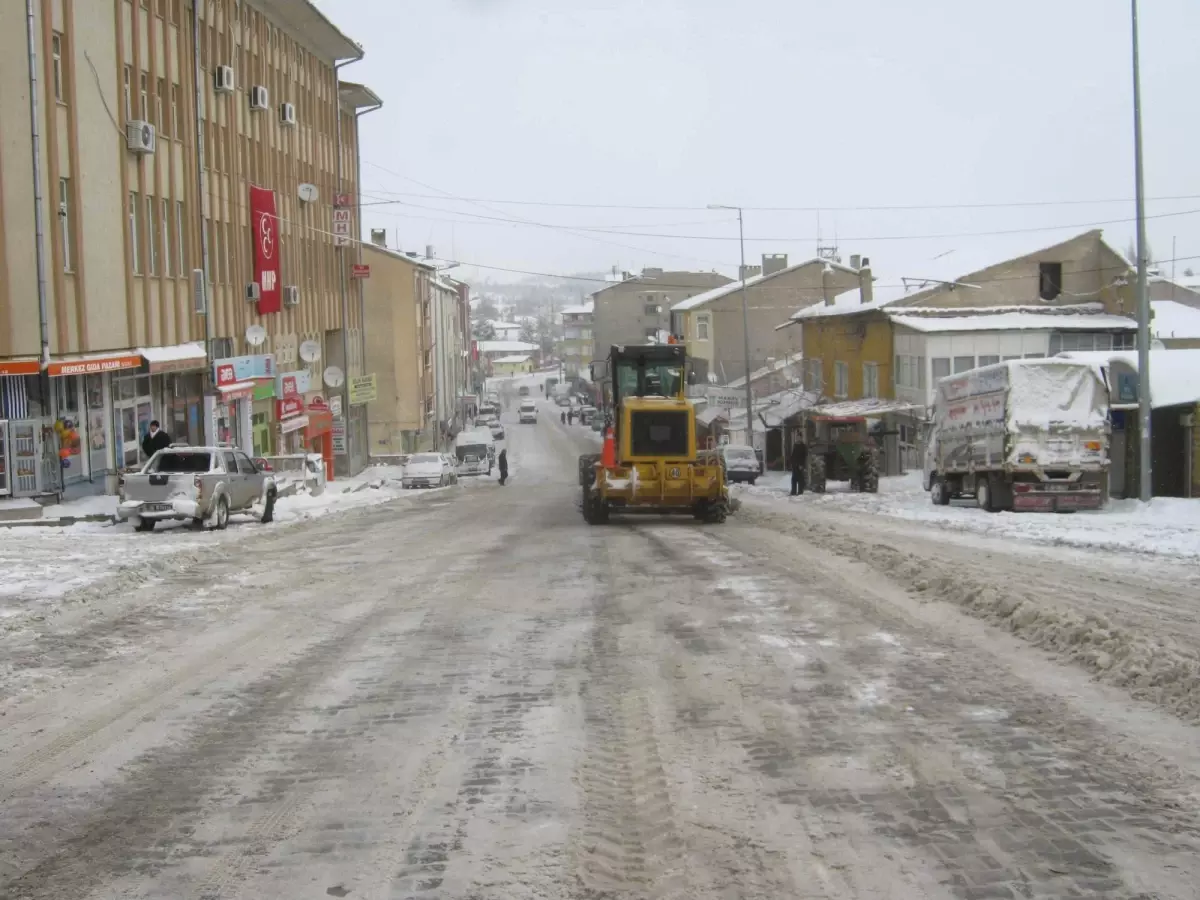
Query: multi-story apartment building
x=174, y=136
x=577, y=347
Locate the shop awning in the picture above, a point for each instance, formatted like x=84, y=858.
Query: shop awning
x=23, y=366
x=239, y=390
x=176, y=358
x=293, y=424
x=94, y=363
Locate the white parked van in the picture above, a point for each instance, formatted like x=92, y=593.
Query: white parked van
x=475, y=451
x=527, y=412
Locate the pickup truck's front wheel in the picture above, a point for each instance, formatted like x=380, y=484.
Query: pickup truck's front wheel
x=220, y=515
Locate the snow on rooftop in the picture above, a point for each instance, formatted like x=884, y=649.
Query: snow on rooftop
x=517, y=358
x=1174, y=374
x=505, y=346
x=583, y=309
x=1083, y=318
x=850, y=301
x=1175, y=320
x=734, y=286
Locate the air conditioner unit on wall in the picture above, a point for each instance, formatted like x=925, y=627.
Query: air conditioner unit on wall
x=287, y=113
x=291, y=295
x=223, y=79
x=253, y=292
x=258, y=97
x=139, y=136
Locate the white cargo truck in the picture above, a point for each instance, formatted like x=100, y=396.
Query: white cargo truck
x=1024, y=435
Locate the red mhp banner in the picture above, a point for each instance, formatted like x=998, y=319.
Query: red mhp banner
x=264, y=227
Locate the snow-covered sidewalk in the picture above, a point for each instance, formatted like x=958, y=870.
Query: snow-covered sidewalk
x=1166, y=527
x=43, y=566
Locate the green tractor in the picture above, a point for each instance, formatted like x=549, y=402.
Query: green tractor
x=840, y=448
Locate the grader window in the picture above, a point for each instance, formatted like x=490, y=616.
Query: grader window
x=655, y=433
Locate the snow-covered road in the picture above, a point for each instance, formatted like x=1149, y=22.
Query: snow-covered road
x=478, y=696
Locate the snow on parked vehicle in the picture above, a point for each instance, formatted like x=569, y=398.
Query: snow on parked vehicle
x=427, y=470
x=1023, y=435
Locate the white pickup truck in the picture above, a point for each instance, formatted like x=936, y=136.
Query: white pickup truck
x=1021, y=435
x=200, y=484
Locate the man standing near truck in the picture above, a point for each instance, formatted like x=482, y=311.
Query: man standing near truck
x=799, y=466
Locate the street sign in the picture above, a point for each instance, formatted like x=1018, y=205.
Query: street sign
x=335, y=404
x=341, y=227
x=725, y=399
x=362, y=389
x=360, y=270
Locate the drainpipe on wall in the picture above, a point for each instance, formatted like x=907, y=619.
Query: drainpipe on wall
x=337, y=103
x=39, y=228
x=210, y=431
x=362, y=305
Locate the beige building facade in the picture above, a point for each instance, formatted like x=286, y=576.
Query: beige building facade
x=156, y=120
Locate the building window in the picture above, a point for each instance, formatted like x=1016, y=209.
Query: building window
x=651, y=333
x=652, y=309
x=1125, y=340
x=151, y=237
x=921, y=372
x=870, y=380
x=166, y=237
x=133, y=233
x=128, y=99
x=64, y=220
x=179, y=244
x=1035, y=355
x=1049, y=280
x=56, y=64
x=160, y=97
x=841, y=379
x=174, y=111
x=702, y=328
x=144, y=95
x=988, y=360
x=813, y=377
x=941, y=368
x=963, y=363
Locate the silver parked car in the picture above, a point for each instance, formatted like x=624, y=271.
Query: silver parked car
x=428, y=470
x=201, y=484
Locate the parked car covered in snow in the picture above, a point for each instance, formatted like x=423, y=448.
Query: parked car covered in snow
x=427, y=470
x=740, y=463
x=497, y=430
x=203, y=484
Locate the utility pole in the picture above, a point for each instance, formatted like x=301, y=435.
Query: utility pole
x=745, y=326
x=1143, y=299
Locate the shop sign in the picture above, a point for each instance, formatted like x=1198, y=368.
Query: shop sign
x=343, y=200
x=94, y=366
x=362, y=389
x=293, y=424
x=341, y=227
x=243, y=368
x=264, y=390
x=264, y=229
x=360, y=270
x=293, y=384
x=335, y=404
x=318, y=404
x=19, y=367
x=339, y=436
x=289, y=407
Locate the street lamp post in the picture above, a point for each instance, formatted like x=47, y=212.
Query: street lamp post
x=745, y=324
x=1143, y=300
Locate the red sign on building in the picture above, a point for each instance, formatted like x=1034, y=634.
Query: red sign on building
x=318, y=404
x=226, y=374
x=289, y=407
x=360, y=270
x=343, y=200
x=264, y=227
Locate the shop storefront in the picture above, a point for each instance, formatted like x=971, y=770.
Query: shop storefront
x=318, y=434
x=87, y=423
x=232, y=407
x=261, y=419
x=177, y=389
x=290, y=408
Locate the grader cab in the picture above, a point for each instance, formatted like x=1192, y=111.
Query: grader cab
x=650, y=462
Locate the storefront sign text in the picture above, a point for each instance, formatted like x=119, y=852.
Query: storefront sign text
x=293, y=384
x=94, y=366
x=243, y=368
x=362, y=389
x=289, y=407
x=19, y=367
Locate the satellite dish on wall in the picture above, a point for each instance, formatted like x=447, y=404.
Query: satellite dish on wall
x=256, y=335
x=310, y=351
x=307, y=192
x=334, y=377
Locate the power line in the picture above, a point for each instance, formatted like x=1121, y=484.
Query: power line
x=913, y=207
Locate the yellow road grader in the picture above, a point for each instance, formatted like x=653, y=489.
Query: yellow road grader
x=650, y=462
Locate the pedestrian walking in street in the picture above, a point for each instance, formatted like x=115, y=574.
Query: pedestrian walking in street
x=154, y=440
x=570, y=416
x=799, y=466
x=503, y=465
x=562, y=417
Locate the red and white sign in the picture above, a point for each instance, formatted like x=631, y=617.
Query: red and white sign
x=341, y=227
x=318, y=404
x=289, y=386
x=289, y=407
x=19, y=367
x=360, y=270
x=94, y=365
x=343, y=200
x=226, y=375
x=264, y=228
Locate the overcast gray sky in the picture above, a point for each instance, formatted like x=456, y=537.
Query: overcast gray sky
x=769, y=103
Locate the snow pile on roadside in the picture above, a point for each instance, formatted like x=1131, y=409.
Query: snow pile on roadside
x=1151, y=666
x=1165, y=527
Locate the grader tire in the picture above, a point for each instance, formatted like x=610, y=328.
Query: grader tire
x=595, y=511
x=587, y=469
x=816, y=474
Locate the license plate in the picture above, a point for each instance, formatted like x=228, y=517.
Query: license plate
x=156, y=507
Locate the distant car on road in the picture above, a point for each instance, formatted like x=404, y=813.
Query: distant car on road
x=527, y=412
x=739, y=462
x=523, y=390
x=427, y=470
x=586, y=414
x=497, y=431
x=562, y=400
x=203, y=484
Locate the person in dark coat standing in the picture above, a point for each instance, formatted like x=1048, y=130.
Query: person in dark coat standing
x=154, y=440
x=503, y=465
x=799, y=466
